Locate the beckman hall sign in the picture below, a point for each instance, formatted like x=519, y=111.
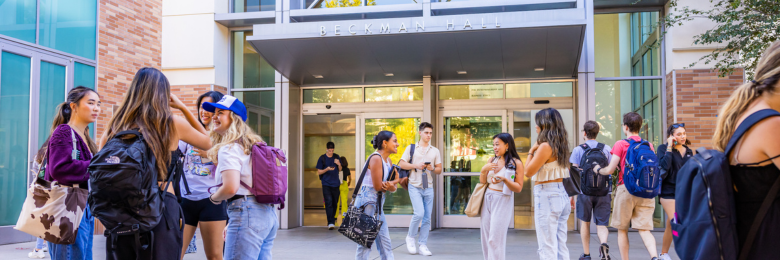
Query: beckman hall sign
x=401, y=27
x=445, y=23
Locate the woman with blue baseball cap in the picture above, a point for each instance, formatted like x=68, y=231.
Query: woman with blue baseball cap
x=233, y=140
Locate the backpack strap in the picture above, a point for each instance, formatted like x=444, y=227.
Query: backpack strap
x=411, y=154
x=768, y=201
x=749, y=122
x=360, y=180
x=600, y=147
x=584, y=147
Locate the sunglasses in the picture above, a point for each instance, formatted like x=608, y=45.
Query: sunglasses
x=678, y=125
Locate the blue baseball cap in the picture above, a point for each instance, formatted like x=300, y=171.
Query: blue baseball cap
x=227, y=102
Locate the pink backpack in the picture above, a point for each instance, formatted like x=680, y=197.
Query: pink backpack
x=269, y=177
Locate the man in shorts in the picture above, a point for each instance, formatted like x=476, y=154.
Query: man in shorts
x=629, y=210
x=596, y=207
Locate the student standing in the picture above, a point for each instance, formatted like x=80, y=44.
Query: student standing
x=593, y=207
x=328, y=168
x=252, y=226
x=547, y=166
x=81, y=107
x=629, y=210
x=199, y=172
x=671, y=157
x=496, y=214
x=147, y=107
x=755, y=160
x=346, y=181
x=427, y=159
x=376, y=181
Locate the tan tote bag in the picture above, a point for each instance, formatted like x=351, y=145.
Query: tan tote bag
x=52, y=211
x=474, y=207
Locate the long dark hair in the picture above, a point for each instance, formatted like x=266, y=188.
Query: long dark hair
x=553, y=132
x=63, y=117
x=511, y=152
x=344, y=162
x=147, y=106
x=670, y=132
x=380, y=137
x=214, y=95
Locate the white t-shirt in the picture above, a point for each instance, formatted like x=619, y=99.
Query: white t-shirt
x=232, y=157
x=199, y=175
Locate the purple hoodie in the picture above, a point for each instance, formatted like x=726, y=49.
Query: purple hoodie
x=61, y=166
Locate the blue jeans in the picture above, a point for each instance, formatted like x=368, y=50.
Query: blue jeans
x=82, y=249
x=422, y=203
x=551, y=214
x=39, y=243
x=382, y=242
x=251, y=230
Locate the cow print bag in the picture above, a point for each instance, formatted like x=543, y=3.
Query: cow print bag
x=52, y=211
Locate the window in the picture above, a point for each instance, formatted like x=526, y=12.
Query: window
x=17, y=19
x=626, y=45
x=260, y=112
x=69, y=26
x=250, y=70
x=483, y=91
x=15, y=73
x=52, y=94
x=537, y=90
x=412, y=93
x=333, y=95
x=241, y=6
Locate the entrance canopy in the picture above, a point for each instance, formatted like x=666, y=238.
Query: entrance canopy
x=477, y=47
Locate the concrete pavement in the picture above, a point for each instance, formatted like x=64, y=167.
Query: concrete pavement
x=453, y=244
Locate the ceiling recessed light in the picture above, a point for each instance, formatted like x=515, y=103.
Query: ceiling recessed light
x=539, y=69
x=389, y=74
x=318, y=76
x=462, y=72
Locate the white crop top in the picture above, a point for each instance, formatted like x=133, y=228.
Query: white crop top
x=506, y=173
x=368, y=180
x=551, y=171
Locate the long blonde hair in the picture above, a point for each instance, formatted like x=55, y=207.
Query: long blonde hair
x=767, y=75
x=147, y=106
x=237, y=133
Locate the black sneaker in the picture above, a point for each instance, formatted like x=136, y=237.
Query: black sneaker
x=584, y=257
x=604, y=252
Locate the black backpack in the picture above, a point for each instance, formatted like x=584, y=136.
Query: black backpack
x=704, y=226
x=591, y=183
x=124, y=194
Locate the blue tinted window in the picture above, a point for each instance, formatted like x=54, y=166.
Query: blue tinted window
x=52, y=94
x=69, y=26
x=14, y=118
x=84, y=75
x=17, y=19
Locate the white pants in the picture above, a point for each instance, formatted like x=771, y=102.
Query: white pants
x=496, y=216
x=551, y=216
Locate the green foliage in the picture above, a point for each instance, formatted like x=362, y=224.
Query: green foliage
x=747, y=27
x=347, y=3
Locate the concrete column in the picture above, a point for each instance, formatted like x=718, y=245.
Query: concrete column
x=288, y=129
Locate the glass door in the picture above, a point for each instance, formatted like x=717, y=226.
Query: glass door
x=397, y=207
x=523, y=129
x=467, y=140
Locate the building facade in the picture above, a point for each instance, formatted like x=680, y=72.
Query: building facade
x=313, y=71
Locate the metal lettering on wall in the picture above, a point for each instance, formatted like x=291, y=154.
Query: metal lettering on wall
x=419, y=26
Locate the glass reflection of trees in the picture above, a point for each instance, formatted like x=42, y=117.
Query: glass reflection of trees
x=405, y=130
x=468, y=142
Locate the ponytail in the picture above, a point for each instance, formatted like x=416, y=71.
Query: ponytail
x=380, y=138
x=767, y=75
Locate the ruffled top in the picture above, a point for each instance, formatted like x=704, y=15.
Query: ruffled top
x=551, y=171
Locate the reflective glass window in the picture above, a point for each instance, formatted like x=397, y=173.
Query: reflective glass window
x=480, y=91
x=250, y=70
x=17, y=19
x=405, y=130
x=52, y=94
x=333, y=95
x=69, y=26
x=260, y=112
x=412, y=93
x=241, y=6
x=539, y=90
x=84, y=75
x=14, y=121
x=626, y=44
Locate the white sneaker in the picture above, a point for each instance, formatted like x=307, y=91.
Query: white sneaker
x=665, y=257
x=45, y=247
x=37, y=254
x=424, y=250
x=331, y=226
x=410, y=245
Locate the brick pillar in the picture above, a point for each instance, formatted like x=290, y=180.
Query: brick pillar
x=700, y=94
x=128, y=39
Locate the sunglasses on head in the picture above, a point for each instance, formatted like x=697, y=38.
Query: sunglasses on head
x=678, y=125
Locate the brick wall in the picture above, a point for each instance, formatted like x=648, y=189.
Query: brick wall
x=189, y=94
x=129, y=38
x=700, y=94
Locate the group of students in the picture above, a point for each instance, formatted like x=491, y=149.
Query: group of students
x=213, y=148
